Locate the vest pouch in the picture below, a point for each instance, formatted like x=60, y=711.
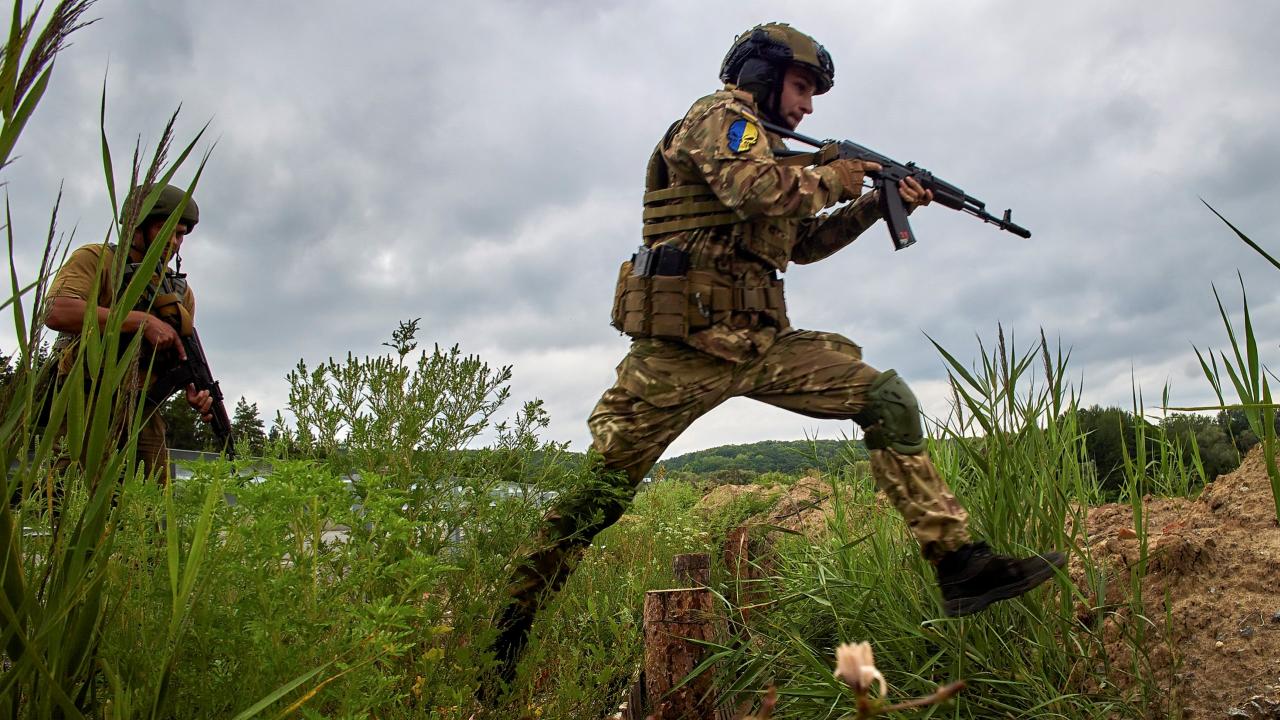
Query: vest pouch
x=616, y=318
x=669, y=297
x=635, y=305
x=777, y=304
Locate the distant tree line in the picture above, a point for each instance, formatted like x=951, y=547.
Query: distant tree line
x=1221, y=439
x=740, y=463
x=185, y=430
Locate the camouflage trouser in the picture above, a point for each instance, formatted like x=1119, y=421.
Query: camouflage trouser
x=153, y=448
x=664, y=386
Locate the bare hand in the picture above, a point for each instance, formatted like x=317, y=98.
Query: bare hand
x=201, y=402
x=162, y=336
x=913, y=193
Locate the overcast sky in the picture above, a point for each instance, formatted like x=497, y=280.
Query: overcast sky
x=480, y=165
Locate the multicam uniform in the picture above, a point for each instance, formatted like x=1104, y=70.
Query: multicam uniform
x=90, y=266
x=725, y=212
x=719, y=330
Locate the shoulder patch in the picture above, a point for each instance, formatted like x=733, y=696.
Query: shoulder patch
x=742, y=135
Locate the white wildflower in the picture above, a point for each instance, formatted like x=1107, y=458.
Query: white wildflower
x=856, y=667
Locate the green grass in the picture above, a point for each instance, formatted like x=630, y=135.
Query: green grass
x=1021, y=478
x=139, y=601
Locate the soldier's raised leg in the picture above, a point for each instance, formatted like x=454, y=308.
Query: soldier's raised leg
x=822, y=375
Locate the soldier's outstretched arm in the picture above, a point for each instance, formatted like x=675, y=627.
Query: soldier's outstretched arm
x=66, y=314
x=823, y=236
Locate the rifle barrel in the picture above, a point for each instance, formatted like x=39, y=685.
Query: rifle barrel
x=944, y=192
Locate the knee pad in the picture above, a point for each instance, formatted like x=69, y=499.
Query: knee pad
x=891, y=418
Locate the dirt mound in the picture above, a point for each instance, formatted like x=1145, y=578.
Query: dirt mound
x=722, y=496
x=1210, y=598
x=804, y=506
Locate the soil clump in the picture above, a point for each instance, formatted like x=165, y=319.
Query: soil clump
x=1206, y=606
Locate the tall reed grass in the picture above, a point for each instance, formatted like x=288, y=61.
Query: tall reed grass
x=1246, y=372
x=1015, y=455
x=69, y=448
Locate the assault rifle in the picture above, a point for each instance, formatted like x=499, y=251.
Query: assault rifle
x=195, y=371
x=886, y=181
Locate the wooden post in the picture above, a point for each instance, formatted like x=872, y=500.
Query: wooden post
x=692, y=570
x=744, y=557
x=673, y=620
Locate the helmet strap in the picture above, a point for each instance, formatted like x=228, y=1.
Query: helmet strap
x=763, y=79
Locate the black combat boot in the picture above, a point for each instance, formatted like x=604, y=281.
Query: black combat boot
x=972, y=577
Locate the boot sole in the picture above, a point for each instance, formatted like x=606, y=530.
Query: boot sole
x=957, y=607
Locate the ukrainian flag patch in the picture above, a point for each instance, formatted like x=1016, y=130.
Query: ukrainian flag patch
x=742, y=135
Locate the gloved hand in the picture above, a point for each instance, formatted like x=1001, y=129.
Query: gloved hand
x=849, y=174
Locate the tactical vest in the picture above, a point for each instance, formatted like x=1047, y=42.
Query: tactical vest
x=657, y=304
x=166, y=299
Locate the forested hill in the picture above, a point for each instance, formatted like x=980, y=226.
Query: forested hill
x=785, y=456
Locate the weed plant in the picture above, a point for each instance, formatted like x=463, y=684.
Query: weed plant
x=68, y=448
x=1013, y=453
x=373, y=563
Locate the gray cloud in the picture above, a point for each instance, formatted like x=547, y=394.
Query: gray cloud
x=481, y=166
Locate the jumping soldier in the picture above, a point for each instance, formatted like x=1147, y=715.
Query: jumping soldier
x=91, y=266
x=724, y=213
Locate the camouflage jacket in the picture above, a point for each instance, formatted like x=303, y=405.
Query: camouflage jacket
x=721, y=143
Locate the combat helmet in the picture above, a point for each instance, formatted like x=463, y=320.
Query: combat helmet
x=168, y=201
x=760, y=56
